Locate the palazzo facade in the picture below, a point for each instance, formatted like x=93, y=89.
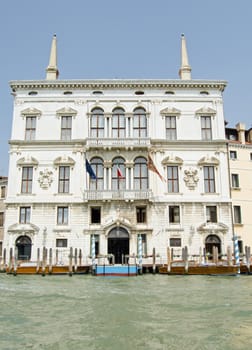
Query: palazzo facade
x=115, y=159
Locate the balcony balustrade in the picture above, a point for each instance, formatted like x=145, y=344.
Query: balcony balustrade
x=109, y=195
x=118, y=142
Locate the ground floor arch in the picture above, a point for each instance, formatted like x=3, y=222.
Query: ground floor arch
x=23, y=245
x=118, y=243
x=211, y=242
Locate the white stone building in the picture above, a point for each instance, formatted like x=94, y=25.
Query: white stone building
x=116, y=125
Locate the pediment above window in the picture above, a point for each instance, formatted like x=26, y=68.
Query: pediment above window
x=208, y=161
x=206, y=111
x=64, y=161
x=66, y=111
x=27, y=161
x=23, y=228
x=170, y=160
x=31, y=112
x=170, y=111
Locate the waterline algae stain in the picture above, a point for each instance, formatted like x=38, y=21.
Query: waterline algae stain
x=148, y=312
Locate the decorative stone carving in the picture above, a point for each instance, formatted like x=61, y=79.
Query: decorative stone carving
x=191, y=178
x=45, y=179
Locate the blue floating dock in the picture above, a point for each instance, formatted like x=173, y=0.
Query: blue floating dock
x=116, y=270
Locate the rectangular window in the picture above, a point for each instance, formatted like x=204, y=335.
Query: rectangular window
x=250, y=156
x=27, y=174
x=174, y=216
x=209, y=179
x=1, y=248
x=206, y=128
x=1, y=219
x=144, y=244
x=30, y=128
x=233, y=154
x=61, y=243
x=175, y=242
x=66, y=128
x=139, y=123
x=170, y=128
x=211, y=213
x=141, y=214
x=95, y=215
x=97, y=239
x=172, y=179
x=3, y=191
x=118, y=125
x=62, y=215
x=235, y=180
x=237, y=214
x=64, y=179
x=24, y=215
x=97, y=123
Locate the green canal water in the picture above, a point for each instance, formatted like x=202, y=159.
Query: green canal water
x=127, y=313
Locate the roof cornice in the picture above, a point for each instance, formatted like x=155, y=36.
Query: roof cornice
x=117, y=83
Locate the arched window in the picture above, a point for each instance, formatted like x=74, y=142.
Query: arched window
x=140, y=174
x=118, y=123
x=97, y=166
x=97, y=123
x=139, y=123
x=118, y=174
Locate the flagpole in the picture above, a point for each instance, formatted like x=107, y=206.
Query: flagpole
x=85, y=158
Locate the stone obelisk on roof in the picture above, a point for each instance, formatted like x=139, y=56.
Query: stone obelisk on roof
x=52, y=72
x=185, y=69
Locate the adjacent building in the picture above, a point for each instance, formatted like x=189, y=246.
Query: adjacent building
x=240, y=165
x=3, y=191
x=117, y=160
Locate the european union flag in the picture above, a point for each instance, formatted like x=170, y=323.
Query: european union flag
x=90, y=170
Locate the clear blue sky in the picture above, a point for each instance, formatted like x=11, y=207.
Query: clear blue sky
x=127, y=39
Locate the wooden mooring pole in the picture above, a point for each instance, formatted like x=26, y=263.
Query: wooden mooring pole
x=50, y=261
x=38, y=261
x=75, y=260
x=248, y=256
x=229, y=256
x=44, y=260
x=154, y=260
x=168, y=259
x=71, y=262
x=80, y=257
x=11, y=260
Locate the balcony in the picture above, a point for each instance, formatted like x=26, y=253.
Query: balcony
x=110, y=195
x=125, y=143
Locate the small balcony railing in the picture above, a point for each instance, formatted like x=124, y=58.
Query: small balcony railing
x=127, y=195
x=118, y=142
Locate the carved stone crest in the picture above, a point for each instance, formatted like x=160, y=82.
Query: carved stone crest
x=45, y=179
x=191, y=178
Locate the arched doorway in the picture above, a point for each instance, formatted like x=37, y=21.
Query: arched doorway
x=118, y=243
x=23, y=245
x=212, y=241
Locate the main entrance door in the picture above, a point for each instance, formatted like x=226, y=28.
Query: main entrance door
x=212, y=241
x=118, y=244
x=23, y=244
